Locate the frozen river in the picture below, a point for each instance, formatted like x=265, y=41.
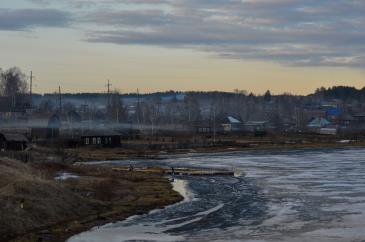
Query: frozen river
x=285, y=196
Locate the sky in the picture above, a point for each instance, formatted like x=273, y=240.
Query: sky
x=290, y=46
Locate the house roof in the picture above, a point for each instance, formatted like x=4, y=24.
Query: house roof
x=333, y=111
x=233, y=120
x=253, y=123
x=15, y=137
x=318, y=122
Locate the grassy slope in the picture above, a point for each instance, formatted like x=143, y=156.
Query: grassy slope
x=55, y=210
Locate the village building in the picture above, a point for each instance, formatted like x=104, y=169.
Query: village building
x=347, y=121
x=101, y=138
x=317, y=123
x=204, y=127
x=231, y=124
x=13, y=142
x=256, y=126
x=359, y=118
x=328, y=131
x=333, y=114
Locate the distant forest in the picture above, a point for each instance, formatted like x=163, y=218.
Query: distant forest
x=341, y=92
x=336, y=92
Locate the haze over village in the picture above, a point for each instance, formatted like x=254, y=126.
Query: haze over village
x=182, y=120
x=332, y=111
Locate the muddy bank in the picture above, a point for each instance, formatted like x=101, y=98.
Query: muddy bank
x=34, y=206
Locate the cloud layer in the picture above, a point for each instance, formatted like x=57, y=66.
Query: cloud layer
x=293, y=32
x=23, y=19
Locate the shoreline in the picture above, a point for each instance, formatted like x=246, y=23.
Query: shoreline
x=181, y=186
x=178, y=185
x=114, y=154
x=284, y=147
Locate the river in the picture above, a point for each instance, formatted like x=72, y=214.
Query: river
x=294, y=196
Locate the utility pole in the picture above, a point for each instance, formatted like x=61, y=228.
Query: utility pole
x=214, y=129
x=138, y=107
x=108, y=86
x=117, y=106
x=30, y=90
x=60, y=98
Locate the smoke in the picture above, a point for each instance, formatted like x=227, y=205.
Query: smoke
x=27, y=125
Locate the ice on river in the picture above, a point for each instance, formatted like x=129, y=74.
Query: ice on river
x=292, y=196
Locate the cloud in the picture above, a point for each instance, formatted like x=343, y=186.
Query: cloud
x=293, y=32
x=91, y=3
x=22, y=19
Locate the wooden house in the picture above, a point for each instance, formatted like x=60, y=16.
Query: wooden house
x=13, y=142
x=101, y=138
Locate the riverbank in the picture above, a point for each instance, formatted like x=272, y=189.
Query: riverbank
x=111, y=154
x=35, y=206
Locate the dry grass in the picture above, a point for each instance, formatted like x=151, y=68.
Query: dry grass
x=64, y=208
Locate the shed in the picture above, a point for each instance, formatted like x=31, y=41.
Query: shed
x=14, y=142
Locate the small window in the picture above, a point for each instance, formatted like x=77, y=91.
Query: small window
x=94, y=141
x=87, y=141
x=99, y=141
x=110, y=140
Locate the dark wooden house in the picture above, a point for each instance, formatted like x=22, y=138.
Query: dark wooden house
x=13, y=142
x=101, y=138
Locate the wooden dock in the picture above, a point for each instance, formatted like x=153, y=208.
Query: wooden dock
x=199, y=172
x=176, y=171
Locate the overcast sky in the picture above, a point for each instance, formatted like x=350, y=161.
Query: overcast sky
x=282, y=45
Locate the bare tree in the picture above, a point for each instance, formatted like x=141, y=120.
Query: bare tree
x=13, y=84
x=192, y=110
x=116, y=110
